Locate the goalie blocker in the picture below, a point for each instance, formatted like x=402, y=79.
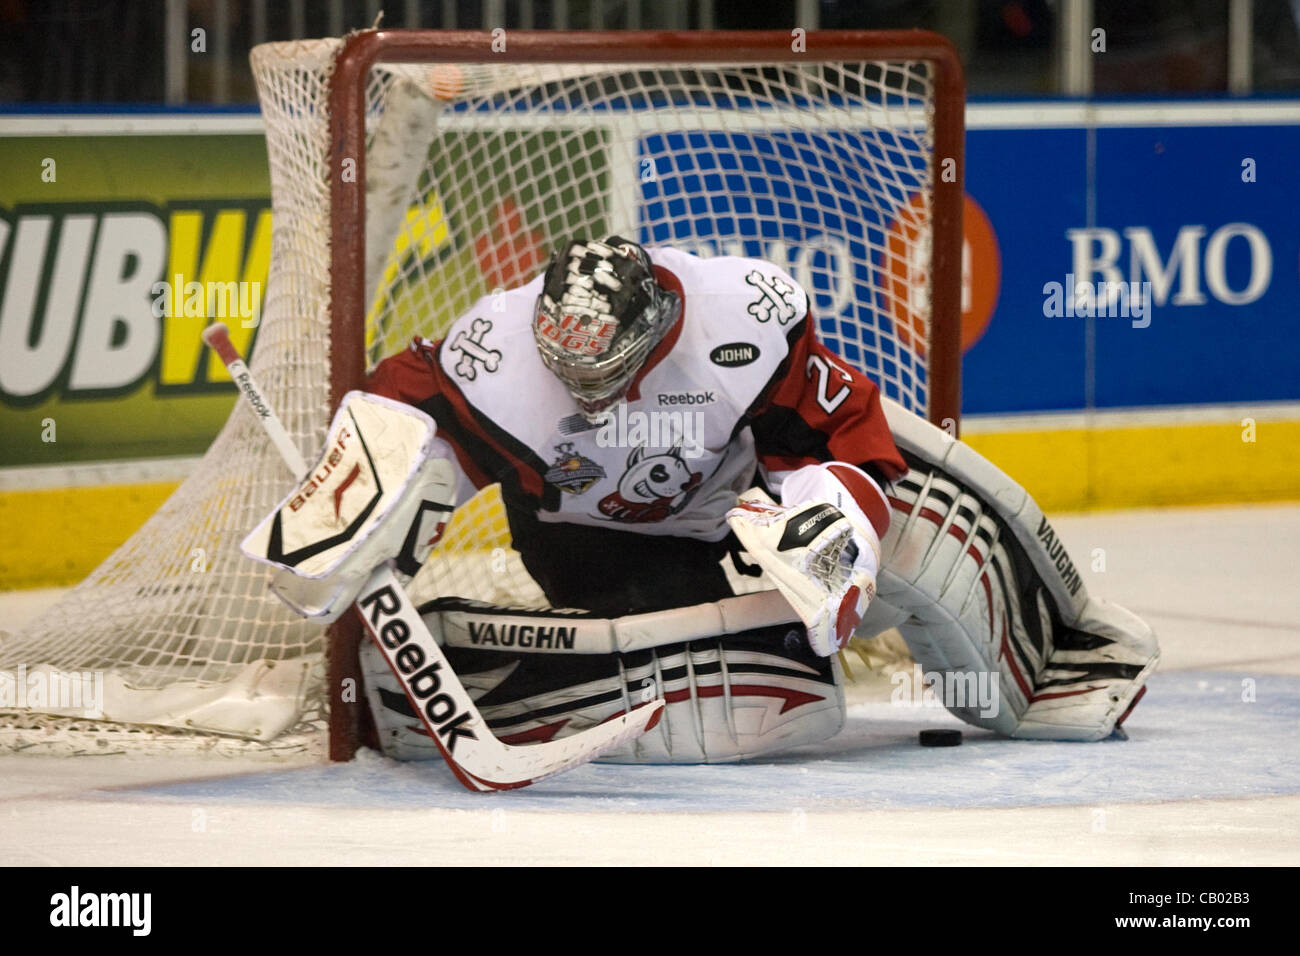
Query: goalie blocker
x=383, y=488
x=383, y=449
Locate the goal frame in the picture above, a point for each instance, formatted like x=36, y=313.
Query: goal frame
x=366, y=49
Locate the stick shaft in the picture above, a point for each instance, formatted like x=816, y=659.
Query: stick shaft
x=217, y=336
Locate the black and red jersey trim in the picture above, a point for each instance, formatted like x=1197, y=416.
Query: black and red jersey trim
x=497, y=454
x=784, y=438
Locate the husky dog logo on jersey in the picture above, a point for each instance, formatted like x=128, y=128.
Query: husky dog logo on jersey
x=653, y=487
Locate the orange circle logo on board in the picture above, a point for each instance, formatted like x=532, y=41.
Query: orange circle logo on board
x=907, y=281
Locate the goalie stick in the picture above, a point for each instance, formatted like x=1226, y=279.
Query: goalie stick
x=475, y=756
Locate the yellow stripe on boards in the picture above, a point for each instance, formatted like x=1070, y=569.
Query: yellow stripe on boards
x=56, y=536
x=1150, y=465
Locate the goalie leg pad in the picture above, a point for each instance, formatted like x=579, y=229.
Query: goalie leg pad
x=728, y=698
x=401, y=734
x=992, y=598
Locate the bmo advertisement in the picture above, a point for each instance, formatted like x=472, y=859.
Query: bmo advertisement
x=1109, y=267
x=1166, y=271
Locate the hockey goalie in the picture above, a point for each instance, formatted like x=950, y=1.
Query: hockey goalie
x=663, y=426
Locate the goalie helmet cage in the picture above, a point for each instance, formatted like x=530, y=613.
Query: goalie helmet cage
x=413, y=172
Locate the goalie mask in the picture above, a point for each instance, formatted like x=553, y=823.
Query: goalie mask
x=598, y=318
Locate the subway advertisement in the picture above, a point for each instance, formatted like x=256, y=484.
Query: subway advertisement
x=114, y=250
x=1105, y=268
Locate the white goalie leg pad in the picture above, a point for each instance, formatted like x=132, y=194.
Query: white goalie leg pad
x=994, y=603
x=401, y=734
x=735, y=698
x=381, y=490
x=461, y=622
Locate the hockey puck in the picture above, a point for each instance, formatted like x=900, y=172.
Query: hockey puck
x=941, y=738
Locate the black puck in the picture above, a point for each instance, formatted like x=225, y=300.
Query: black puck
x=941, y=738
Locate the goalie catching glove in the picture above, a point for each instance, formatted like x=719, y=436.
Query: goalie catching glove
x=818, y=546
x=382, y=489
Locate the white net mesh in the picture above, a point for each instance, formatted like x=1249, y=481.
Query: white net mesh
x=474, y=173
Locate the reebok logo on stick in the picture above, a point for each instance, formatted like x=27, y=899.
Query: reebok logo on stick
x=383, y=616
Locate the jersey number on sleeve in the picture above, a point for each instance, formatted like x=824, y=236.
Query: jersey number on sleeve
x=822, y=368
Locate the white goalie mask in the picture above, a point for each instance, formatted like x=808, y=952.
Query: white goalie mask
x=599, y=316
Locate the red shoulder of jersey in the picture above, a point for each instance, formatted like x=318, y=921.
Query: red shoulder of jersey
x=817, y=408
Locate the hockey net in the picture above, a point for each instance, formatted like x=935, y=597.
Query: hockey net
x=413, y=173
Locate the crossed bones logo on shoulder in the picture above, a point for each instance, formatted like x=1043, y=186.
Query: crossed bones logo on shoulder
x=776, y=300
x=471, y=350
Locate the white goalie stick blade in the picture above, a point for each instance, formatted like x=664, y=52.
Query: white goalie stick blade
x=479, y=760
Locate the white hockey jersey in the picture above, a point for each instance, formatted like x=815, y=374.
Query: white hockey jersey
x=739, y=387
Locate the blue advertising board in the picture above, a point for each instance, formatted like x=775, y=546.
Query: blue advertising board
x=1197, y=223
x=1199, y=219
